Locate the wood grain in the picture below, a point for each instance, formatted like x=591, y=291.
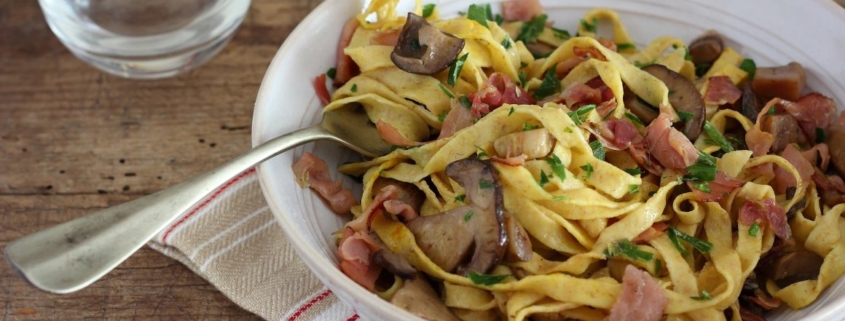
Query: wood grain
x=74, y=140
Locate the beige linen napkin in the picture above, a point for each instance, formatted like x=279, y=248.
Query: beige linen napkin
x=232, y=240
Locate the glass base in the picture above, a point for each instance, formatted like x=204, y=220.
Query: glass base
x=158, y=66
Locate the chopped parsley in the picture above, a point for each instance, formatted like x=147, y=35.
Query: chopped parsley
x=704, y=187
x=510, y=112
x=717, y=137
x=468, y=215
x=636, y=171
x=529, y=31
x=754, y=229
x=479, y=152
x=625, y=46
x=455, y=70
x=354, y=88
x=522, y=76
x=685, y=116
x=442, y=116
x=641, y=65
x=579, y=115
x=590, y=26
x=460, y=198
x=702, y=69
x=704, y=169
x=750, y=67
x=557, y=167
x=704, y=296
x=478, y=14
x=550, y=85
x=428, y=10
x=633, y=189
x=465, y=101
x=820, y=135
x=634, y=119
x=488, y=11
x=658, y=267
x=506, y=42
x=446, y=91
x=331, y=72
x=485, y=279
x=588, y=169
x=484, y=184
x=700, y=245
x=625, y=248
x=687, y=56
x=598, y=149
x=499, y=19
x=772, y=110
x=544, y=179
x=526, y=127
x=559, y=198
x=561, y=34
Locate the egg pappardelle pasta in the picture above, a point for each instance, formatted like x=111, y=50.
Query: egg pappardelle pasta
x=540, y=174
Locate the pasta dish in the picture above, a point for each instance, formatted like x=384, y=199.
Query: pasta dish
x=540, y=174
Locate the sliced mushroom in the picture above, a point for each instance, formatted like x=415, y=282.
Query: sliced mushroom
x=799, y=206
x=836, y=145
x=535, y=143
x=785, y=82
x=424, y=49
x=392, y=262
x=418, y=297
x=790, y=267
x=706, y=48
x=749, y=105
x=519, y=244
x=684, y=98
x=539, y=49
x=784, y=128
x=448, y=237
x=641, y=109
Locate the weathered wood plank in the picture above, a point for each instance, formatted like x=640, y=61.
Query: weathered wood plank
x=74, y=140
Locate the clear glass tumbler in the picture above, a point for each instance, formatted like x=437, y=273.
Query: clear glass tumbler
x=144, y=39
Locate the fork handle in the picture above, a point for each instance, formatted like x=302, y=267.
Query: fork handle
x=72, y=255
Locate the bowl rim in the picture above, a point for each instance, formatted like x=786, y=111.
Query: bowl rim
x=326, y=270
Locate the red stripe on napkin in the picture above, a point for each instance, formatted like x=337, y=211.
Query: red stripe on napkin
x=308, y=305
x=204, y=203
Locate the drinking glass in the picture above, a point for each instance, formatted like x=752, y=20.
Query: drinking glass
x=144, y=39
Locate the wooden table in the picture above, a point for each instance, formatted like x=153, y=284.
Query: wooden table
x=74, y=140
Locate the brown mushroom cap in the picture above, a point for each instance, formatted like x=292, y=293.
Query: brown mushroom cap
x=392, y=262
x=448, y=237
x=783, y=127
x=790, y=267
x=424, y=49
x=750, y=107
x=784, y=82
x=639, y=108
x=706, y=48
x=684, y=97
x=519, y=247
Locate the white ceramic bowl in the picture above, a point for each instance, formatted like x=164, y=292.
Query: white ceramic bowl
x=772, y=32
